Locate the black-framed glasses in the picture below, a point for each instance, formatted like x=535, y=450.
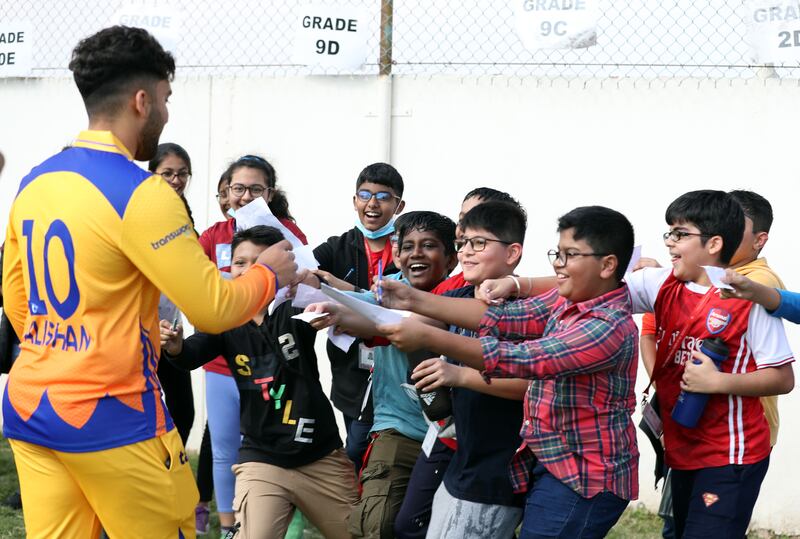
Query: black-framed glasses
x=222, y=195
x=182, y=175
x=562, y=257
x=478, y=243
x=678, y=235
x=381, y=196
x=255, y=190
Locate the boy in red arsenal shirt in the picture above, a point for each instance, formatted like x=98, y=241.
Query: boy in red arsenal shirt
x=718, y=465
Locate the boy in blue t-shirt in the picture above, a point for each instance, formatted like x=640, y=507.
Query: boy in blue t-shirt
x=426, y=255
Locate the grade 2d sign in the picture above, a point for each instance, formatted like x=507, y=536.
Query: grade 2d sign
x=331, y=36
x=773, y=30
x=556, y=24
x=16, y=49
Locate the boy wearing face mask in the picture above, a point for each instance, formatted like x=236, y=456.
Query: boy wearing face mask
x=350, y=261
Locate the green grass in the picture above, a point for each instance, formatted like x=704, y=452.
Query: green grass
x=636, y=523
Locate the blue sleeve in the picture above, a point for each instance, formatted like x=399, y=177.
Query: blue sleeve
x=789, y=307
x=369, y=297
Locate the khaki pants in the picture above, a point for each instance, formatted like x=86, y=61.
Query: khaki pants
x=384, y=480
x=266, y=495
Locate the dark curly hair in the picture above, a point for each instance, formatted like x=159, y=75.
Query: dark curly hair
x=105, y=65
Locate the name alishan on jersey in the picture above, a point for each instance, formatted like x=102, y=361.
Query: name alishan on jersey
x=92, y=239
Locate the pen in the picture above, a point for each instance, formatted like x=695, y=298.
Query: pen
x=349, y=273
x=175, y=321
x=380, y=278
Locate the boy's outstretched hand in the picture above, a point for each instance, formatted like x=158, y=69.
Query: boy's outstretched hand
x=495, y=291
x=434, y=372
x=397, y=295
x=171, y=341
x=745, y=288
x=408, y=336
x=326, y=307
x=702, y=377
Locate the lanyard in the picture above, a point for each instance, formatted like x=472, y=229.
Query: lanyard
x=659, y=366
x=386, y=257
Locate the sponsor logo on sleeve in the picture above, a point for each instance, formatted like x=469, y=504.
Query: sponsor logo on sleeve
x=185, y=229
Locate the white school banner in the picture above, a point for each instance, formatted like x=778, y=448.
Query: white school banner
x=161, y=20
x=331, y=36
x=556, y=24
x=16, y=48
x=773, y=30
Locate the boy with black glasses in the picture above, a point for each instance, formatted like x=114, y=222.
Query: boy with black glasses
x=576, y=343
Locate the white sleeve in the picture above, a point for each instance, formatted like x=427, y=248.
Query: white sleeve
x=767, y=339
x=644, y=285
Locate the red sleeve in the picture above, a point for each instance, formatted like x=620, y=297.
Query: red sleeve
x=294, y=229
x=649, y=324
x=206, y=240
x=452, y=283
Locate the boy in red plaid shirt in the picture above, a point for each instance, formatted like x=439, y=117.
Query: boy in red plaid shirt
x=577, y=343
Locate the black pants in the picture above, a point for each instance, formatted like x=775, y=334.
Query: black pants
x=716, y=502
x=205, y=468
x=177, y=387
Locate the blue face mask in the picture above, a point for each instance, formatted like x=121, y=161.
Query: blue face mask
x=385, y=230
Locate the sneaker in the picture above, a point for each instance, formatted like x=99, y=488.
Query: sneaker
x=201, y=519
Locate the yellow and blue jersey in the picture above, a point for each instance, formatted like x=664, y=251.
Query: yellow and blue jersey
x=91, y=240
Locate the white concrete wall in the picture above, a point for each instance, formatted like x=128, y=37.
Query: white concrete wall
x=630, y=145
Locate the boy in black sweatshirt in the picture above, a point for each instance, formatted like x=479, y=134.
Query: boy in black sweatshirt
x=291, y=454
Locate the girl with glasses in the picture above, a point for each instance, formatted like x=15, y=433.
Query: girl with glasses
x=247, y=178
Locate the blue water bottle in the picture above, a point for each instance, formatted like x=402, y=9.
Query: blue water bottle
x=689, y=408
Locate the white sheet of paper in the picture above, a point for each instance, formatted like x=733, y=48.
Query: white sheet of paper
x=635, y=256
x=715, y=275
x=258, y=213
x=280, y=297
x=374, y=313
x=342, y=341
x=309, y=317
x=306, y=295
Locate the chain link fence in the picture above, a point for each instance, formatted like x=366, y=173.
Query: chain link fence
x=635, y=38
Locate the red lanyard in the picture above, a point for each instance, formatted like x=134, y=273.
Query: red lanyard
x=386, y=257
x=657, y=367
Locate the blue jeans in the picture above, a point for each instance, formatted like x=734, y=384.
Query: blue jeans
x=222, y=402
x=552, y=509
x=357, y=440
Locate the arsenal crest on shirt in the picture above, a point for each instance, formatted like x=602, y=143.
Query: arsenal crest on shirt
x=717, y=320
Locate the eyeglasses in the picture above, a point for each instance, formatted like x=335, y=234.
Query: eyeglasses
x=222, y=195
x=381, y=196
x=563, y=256
x=183, y=175
x=255, y=190
x=678, y=235
x=477, y=243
